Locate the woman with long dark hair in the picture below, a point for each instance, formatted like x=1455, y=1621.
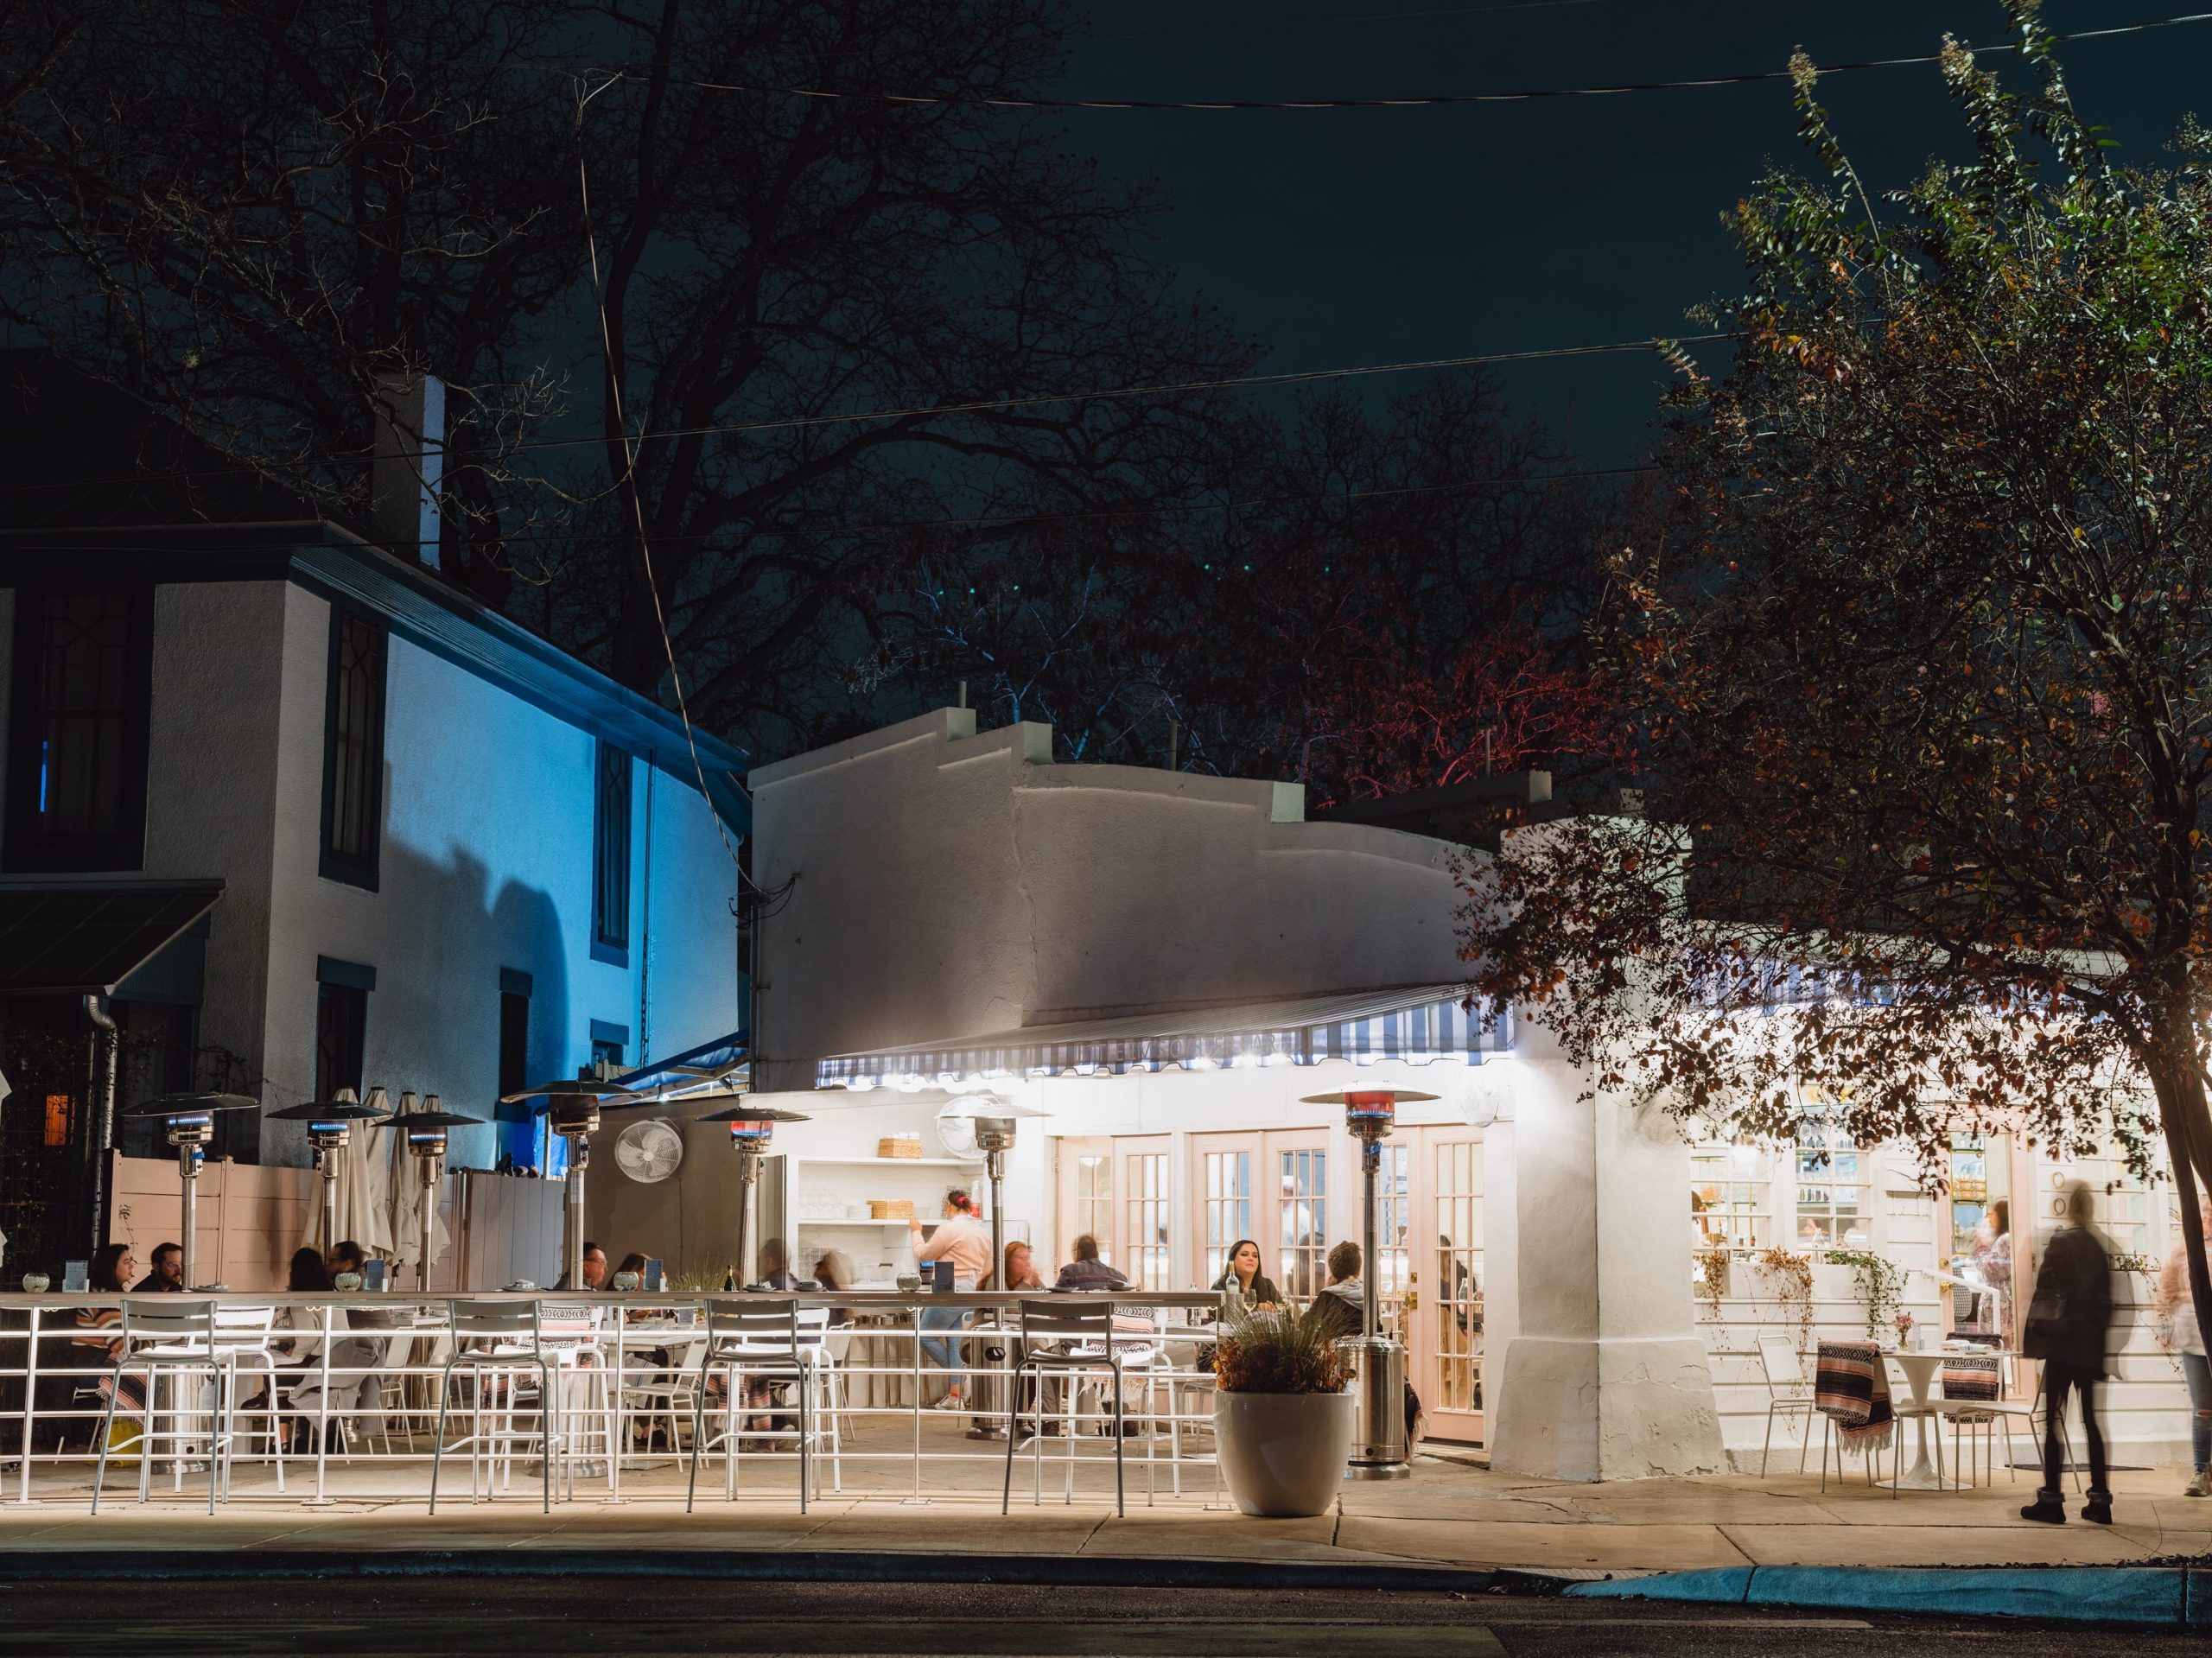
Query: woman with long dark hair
x=1243, y=1287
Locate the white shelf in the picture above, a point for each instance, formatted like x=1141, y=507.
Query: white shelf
x=895, y=1162
x=805, y=1224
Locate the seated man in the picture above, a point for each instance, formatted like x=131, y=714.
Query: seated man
x=594, y=1269
x=168, y=1276
x=1087, y=1271
x=1341, y=1309
x=346, y=1256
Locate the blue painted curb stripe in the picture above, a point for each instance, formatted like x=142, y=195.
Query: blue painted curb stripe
x=2152, y=1595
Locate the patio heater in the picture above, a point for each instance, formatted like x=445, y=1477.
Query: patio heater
x=751, y=1127
x=426, y=1132
x=1378, y=1450
x=330, y=1124
x=190, y=1121
x=993, y=1122
x=571, y=1110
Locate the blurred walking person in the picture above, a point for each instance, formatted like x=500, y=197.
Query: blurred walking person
x=2069, y=1320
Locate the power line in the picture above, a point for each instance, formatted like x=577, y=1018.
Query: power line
x=921, y=411
x=1003, y=520
x=1275, y=25
x=1429, y=101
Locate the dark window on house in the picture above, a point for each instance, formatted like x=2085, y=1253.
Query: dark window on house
x=609, y=1042
x=77, y=741
x=610, y=859
x=342, y=1024
x=352, y=755
x=514, y=1043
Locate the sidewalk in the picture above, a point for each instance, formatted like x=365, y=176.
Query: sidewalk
x=1449, y=1514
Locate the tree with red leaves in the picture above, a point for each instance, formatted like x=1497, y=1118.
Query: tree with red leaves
x=1925, y=669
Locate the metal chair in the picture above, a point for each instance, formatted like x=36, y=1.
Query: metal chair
x=773, y=1341
x=244, y=1333
x=1785, y=1368
x=1069, y=1340
x=165, y=1338
x=510, y=1352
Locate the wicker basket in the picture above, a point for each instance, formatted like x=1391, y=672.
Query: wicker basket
x=892, y=1209
x=900, y=1146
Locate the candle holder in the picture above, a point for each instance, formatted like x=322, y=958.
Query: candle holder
x=330, y=1123
x=189, y=1119
x=1377, y=1359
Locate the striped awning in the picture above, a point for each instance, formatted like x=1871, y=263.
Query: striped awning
x=1414, y=1023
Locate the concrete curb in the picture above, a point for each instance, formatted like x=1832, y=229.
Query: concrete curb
x=2171, y=1597
x=817, y=1566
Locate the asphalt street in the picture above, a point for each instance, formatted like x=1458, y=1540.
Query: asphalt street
x=551, y=1617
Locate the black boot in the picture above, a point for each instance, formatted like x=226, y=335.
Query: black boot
x=2097, y=1510
x=2049, y=1510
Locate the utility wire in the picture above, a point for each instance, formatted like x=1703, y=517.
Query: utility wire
x=922, y=411
x=1273, y=24
x=1427, y=100
x=1003, y=520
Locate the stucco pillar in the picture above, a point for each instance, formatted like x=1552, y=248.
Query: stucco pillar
x=1597, y=1371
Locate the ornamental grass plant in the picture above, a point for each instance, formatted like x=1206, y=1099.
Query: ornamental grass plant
x=1278, y=1353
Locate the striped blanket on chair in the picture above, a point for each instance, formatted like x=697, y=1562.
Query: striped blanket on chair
x=1973, y=1377
x=1852, y=1388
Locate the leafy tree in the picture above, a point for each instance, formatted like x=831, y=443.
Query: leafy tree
x=250, y=211
x=1923, y=665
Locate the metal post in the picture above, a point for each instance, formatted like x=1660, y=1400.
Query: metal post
x=1371, y=1165
x=579, y=1154
x=187, y=1171
x=748, y=1180
x=430, y=1222
x=329, y=1172
x=30, y=1408
x=985, y=1427
x=322, y=1421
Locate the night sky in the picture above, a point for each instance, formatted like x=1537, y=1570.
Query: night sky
x=1342, y=237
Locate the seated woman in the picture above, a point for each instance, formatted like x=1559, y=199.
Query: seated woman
x=834, y=1270
x=301, y=1355
x=112, y=1272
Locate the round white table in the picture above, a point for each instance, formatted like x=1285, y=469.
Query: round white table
x=1921, y=1371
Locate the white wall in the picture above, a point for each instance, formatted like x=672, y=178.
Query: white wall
x=954, y=884
x=486, y=863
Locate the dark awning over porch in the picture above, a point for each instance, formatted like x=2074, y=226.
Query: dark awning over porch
x=76, y=938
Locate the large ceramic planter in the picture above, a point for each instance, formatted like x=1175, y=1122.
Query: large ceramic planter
x=1282, y=1454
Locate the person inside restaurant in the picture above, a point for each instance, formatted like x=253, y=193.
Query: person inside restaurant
x=834, y=1270
x=168, y=1276
x=964, y=1240
x=1341, y=1309
x=776, y=1273
x=346, y=1256
x=594, y=1269
x=1243, y=1288
x=1087, y=1271
x=1021, y=1270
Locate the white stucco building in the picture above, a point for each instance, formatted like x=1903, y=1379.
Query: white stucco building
x=1166, y=963
x=306, y=816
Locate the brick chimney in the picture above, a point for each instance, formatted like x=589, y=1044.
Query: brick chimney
x=409, y=465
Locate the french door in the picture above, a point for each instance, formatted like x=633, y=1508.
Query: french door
x=1273, y=1187
x=1115, y=1189
x=1445, y=1254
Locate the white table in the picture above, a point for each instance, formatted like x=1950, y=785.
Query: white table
x=1921, y=1371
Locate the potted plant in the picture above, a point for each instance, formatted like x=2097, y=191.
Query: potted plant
x=1282, y=1421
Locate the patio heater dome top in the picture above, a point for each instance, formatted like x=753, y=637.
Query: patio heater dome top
x=987, y=1105
x=554, y=1096
x=749, y=1113
x=435, y=1119
x=1401, y=1094
x=328, y=1111
x=186, y=1105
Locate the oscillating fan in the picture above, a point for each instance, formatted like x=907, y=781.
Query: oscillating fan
x=648, y=1152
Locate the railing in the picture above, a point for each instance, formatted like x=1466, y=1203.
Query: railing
x=626, y=1361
